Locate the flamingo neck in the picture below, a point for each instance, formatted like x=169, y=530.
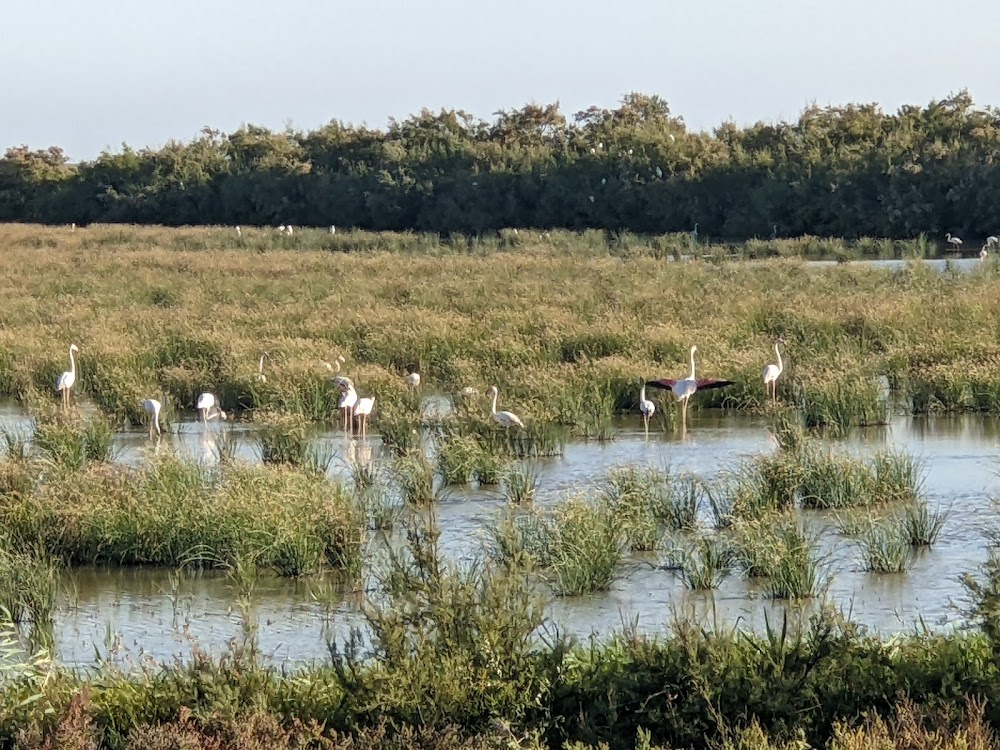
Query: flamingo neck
x=72, y=363
x=692, y=363
x=260, y=365
x=493, y=407
x=778, y=352
x=642, y=393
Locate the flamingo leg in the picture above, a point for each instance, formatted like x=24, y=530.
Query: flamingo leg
x=645, y=419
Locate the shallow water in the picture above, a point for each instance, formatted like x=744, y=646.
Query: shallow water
x=139, y=615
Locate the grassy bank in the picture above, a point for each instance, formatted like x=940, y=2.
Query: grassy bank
x=455, y=661
x=563, y=325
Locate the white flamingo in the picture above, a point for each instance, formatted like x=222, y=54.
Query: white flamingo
x=261, y=378
x=68, y=378
x=503, y=418
x=152, y=407
x=361, y=411
x=684, y=388
x=983, y=253
x=992, y=240
x=772, y=371
x=288, y=230
x=647, y=407
x=209, y=408
x=239, y=232
x=347, y=402
x=333, y=229
x=955, y=242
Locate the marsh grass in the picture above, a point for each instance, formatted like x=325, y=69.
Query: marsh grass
x=706, y=563
x=283, y=439
x=71, y=443
x=173, y=512
x=457, y=456
x=921, y=524
x=415, y=476
x=29, y=583
x=884, y=547
x=831, y=480
x=381, y=508
x=840, y=404
x=490, y=468
x=520, y=483
x=16, y=443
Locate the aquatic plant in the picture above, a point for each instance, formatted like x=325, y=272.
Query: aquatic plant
x=706, y=563
x=885, y=547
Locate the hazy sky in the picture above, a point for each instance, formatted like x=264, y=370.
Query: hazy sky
x=90, y=75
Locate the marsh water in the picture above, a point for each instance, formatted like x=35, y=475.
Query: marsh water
x=136, y=615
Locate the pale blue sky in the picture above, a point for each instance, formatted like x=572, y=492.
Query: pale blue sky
x=90, y=74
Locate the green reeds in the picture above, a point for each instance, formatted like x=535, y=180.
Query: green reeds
x=706, y=564
x=415, y=476
x=520, y=483
x=29, y=582
x=884, y=547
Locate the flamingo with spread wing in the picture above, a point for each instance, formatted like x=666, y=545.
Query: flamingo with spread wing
x=684, y=388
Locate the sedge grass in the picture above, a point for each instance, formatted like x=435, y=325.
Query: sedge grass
x=884, y=547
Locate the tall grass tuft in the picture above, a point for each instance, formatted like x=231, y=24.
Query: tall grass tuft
x=283, y=439
x=706, y=564
x=29, y=583
x=520, y=483
x=922, y=525
x=885, y=547
x=415, y=476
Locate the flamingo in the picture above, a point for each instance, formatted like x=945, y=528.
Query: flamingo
x=694, y=232
x=413, y=379
x=348, y=399
x=261, y=378
x=955, y=242
x=992, y=240
x=152, y=407
x=362, y=410
x=983, y=253
x=503, y=418
x=333, y=229
x=774, y=232
x=281, y=229
x=684, y=388
x=288, y=230
x=239, y=232
x=647, y=407
x=68, y=378
x=209, y=408
x=772, y=371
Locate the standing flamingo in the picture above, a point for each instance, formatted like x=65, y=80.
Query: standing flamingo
x=983, y=253
x=992, y=240
x=503, y=418
x=152, y=407
x=955, y=242
x=261, y=378
x=361, y=411
x=347, y=402
x=647, y=407
x=683, y=389
x=68, y=378
x=772, y=371
x=209, y=408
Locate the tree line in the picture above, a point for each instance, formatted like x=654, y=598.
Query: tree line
x=838, y=171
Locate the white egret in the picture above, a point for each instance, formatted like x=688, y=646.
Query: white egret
x=361, y=411
x=647, y=407
x=68, y=378
x=684, y=388
x=503, y=418
x=208, y=406
x=954, y=241
x=772, y=371
x=152, y=407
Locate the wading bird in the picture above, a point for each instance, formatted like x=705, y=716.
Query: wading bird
x=152, y=407
x=333, y=229
x=647, y=407
x=209, y=408
x=413, y=379
x=361, y=412
x=694, y=232
x=239, y=232
x=992, y=240
x=774, y=232
x=684, y=388
x=983, y=253
x=955, y=242
x=68, y=378
x=772, y=371
x=261, y=378
x=347, y=402
x=503, y=418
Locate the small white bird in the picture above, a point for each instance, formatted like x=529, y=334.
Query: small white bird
x=503, y=418
x=361, y=411
x=773, y=371
x=413, y=379
x=68, y=378
x=954, y=241
x=209, y=408
x=261, y=378
x=152, y=407
x=647, y=407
